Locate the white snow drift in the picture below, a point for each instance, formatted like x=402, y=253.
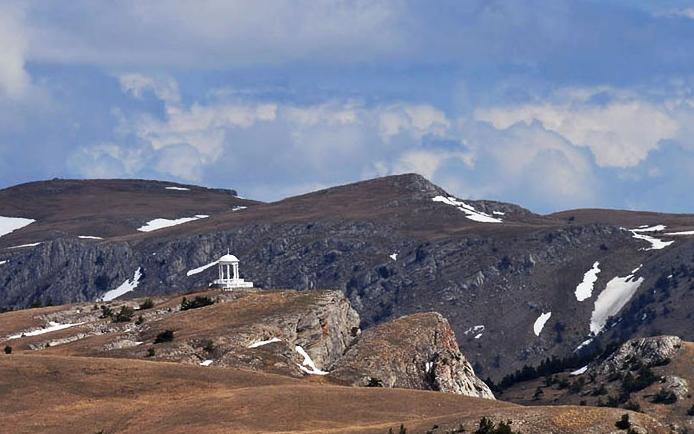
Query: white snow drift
x=52, y=327
x=89, y=237
x=124, y=288
x=681, y=233
x=308, y=366
x=161, y=223
x=178, y=188
x=201, y=269
x=21, y=246
x=474, y=329
x=11, y=224
x=584, y=290
x=262, y=343
x=540, y=322
x=656, y=244
x=207, y=362
x=470, y=212
x=612, y=299
x=579, y=371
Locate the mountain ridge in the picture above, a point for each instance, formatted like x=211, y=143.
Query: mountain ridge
x=392, y=250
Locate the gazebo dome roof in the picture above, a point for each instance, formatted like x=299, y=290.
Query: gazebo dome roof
x=228, y=258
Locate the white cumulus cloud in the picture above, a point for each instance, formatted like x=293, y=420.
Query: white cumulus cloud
x=620, y=132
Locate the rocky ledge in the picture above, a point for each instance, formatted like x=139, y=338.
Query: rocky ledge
x=415, y=352
x=647, y=352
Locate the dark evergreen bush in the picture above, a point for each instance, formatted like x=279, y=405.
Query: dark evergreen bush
x=623, y=423
x=198, y=301
x=165, y=336
x=8, y=349
x=147, y=304
x=665, y=397
x=374, y=382
x=124, y=315
x=487, y=427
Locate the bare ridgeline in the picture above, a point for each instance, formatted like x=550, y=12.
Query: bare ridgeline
x=543, y=308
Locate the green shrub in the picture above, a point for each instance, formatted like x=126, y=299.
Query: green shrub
x=124, y=315
x=198, y=301
x=374, y=382
x=8, y=349
x=690, y=412
x=623, y=423
x=209, y=346
x=147, y=304
x=488, y=427
x=106, y=311
x=538, y=393
x=632, y=405
x=165, y=336
x=644, y=378
x=602, y=390
x=665, y=397
x=151, y=352
x=139, y=320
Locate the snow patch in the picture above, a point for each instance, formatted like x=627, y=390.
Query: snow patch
x=540, y=322
x=656, y=244
x=479, y=335
x=11, y=224
x=428, y=366
x=646, y=228
x=261, y=343
x=21, y=246
x=178, y=188
x=89, y=237
x=470, y=212
x=312, y=369
x=680, y=233
x=157, y=224
x=474, y=329
x=124, y=288
x=207, y=362
x=584, y=290
x=238, y=208
x=393, y=256
x=612, y=299
x=579, y=371
x=583, y=344
x=201, y=269
x=52, y=327
x=3, y=262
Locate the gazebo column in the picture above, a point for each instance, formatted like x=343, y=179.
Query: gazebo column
x=236, y=271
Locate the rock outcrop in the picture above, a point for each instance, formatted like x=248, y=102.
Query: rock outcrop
x=648, y=352
x=416, y=352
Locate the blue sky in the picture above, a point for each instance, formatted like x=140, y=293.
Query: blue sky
x=548, y=104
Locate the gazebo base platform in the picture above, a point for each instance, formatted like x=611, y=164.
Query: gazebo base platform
x=229, y=284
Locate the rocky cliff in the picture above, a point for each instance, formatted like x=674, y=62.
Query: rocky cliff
x=284, y=332
x=639, y=352
x=416, y=352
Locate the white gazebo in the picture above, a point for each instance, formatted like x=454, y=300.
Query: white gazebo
x=229, y=274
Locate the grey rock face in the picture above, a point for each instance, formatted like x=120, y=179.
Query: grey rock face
x=675, y=386
x=416, y=351
x=649, y=352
